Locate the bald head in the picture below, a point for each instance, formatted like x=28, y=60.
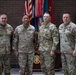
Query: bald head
x=3, y=19
x=26, y=20
x=66, y=18
x=47, y=18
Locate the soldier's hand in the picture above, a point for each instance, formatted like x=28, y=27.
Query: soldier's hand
x=74, y=53
x=52, y=53
x=16, y=53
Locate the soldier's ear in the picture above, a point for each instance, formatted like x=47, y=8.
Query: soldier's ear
x=22, y=19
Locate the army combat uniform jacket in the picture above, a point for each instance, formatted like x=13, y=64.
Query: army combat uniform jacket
x=5, y=39
x=67, y=37
x=48, y=37
x=23, y=39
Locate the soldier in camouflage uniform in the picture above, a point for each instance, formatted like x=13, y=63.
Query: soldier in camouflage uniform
x=48, y=40
x=5, y=44
x=23, y=45
x=67, y=32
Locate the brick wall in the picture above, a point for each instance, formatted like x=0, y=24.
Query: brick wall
x=60, y=6
x=15, y=9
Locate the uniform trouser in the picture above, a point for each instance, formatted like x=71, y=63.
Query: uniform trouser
x=26, y=63
x=75, y=65
x=47, y=63
x=5, y=61
x=68, y=64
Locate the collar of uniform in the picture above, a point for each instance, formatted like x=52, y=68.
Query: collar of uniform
x=3, y=26
x=67, y=24
x=46, y=25
x=26, y=27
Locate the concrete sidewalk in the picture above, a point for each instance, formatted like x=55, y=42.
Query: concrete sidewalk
x=15, y=71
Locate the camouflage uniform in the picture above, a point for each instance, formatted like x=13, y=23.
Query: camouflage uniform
x=48, y=40
x=24, y=44
x=5, y=48
x=67, y=46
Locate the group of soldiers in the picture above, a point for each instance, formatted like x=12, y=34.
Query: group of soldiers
x=22, y=41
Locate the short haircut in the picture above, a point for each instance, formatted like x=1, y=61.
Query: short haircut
x=3, y=14
x=47, y=13
x=26, y=15
x=66, y=12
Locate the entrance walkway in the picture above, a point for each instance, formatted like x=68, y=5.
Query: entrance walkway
x=15, y=71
